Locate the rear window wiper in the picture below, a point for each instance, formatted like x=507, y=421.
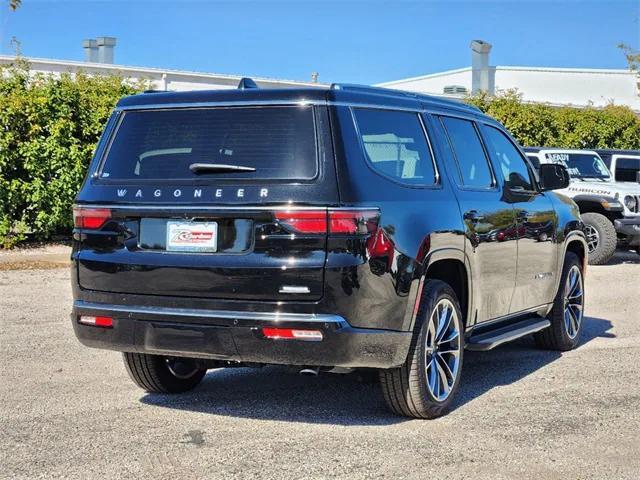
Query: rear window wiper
x=218, y=168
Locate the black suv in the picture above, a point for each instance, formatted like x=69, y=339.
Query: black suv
x=328, y=229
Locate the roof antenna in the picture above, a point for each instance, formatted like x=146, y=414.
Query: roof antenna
x=246, y=83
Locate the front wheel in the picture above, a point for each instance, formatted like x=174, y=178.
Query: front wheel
x=425, y=385
x=567, y=311
x=158, y=374
x=601, y=237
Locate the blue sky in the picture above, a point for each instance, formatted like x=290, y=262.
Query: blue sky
x=349, y=40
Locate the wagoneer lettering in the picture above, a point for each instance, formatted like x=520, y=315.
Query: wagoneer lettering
x=328, y=229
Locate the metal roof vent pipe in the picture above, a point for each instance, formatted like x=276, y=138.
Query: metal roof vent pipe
x=480, y=71
x=90, y=47
x=106, y=46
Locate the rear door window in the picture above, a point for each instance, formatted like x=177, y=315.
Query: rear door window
x=396, y=146
x=273, y=143
x=470, y=155
x=514, y=169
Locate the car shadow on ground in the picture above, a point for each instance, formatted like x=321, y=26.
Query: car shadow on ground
x=280, y=394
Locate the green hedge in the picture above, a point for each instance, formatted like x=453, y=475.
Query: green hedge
x=565, y=127
x=49, y=127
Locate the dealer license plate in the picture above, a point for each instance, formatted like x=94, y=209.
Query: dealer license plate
x=192, y=236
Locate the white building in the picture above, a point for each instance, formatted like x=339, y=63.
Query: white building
x=99, y=55
x=556, y=86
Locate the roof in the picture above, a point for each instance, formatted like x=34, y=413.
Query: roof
x=586, y=71
x=337, y=93
x=133, y=71
x=558, y=150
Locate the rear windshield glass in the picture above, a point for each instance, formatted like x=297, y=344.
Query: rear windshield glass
x=235, y=143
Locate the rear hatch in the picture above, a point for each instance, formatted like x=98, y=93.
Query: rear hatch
x=211, y=202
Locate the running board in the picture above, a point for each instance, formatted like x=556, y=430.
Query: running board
x=490, y=339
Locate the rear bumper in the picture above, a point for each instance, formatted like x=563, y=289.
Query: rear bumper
x=630, y=227
x=237, y=336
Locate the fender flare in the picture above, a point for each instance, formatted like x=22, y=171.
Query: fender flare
x=446, y=253
x=570, y=237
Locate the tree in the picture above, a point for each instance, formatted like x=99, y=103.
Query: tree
x=633, y=59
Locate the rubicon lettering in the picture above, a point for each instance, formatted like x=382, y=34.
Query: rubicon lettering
x=201, y=193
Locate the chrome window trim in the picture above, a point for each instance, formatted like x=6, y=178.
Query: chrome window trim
x=115, y=206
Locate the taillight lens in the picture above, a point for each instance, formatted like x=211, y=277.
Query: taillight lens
x=90, y=218
x=333, y=221
x=353, y=221
x=304, y=221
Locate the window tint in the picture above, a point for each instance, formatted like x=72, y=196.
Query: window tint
x=466, y=144
x=514, y=169
x=627, y=168
x=396, y=145
x=278, y=142
x=535, y=161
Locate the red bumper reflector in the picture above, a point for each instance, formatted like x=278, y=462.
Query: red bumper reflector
x=292, y=334
x=104, y=322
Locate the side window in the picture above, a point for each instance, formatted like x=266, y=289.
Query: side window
x=396, y=146
x=466, y=144
x=535, y=161
x=515, y=171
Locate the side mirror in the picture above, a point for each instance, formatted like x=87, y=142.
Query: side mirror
x=553, y=176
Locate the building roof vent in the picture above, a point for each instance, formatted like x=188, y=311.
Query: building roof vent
x=455, y=90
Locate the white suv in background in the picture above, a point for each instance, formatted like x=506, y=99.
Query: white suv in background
x=609, y=209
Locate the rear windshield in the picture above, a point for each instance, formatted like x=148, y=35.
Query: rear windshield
x=261, y=143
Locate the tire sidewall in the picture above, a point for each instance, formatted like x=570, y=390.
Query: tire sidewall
x=558, y=308
x=431, y=298
x=607, y=238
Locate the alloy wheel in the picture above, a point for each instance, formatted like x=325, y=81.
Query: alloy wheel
x=573, y=301
x=443, y=350
x=593, y=237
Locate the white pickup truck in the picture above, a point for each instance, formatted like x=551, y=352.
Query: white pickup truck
x=609, y=209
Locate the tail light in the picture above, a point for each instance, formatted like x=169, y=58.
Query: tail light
x=90, y=218
x=333, y=221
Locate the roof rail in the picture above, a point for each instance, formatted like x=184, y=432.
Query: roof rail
x=389, y=92
x=247, y=83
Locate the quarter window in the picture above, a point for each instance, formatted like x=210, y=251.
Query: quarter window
x=472, y=161
x=395, y=145
x=514, y=169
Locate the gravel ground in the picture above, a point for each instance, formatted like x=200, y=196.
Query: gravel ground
x=71, y=412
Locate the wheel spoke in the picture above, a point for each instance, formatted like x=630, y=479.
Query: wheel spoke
x=445, y=367
x=443, y=380
x=444, y=321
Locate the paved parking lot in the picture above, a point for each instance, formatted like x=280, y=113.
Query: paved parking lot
x=68, y=411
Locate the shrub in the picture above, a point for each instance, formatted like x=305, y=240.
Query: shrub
x=49, y=126
x=565, y=127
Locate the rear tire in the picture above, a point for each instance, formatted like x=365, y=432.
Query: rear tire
x=158, y=374
x=601, y=238
x=425, y=385
x=567, y=313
